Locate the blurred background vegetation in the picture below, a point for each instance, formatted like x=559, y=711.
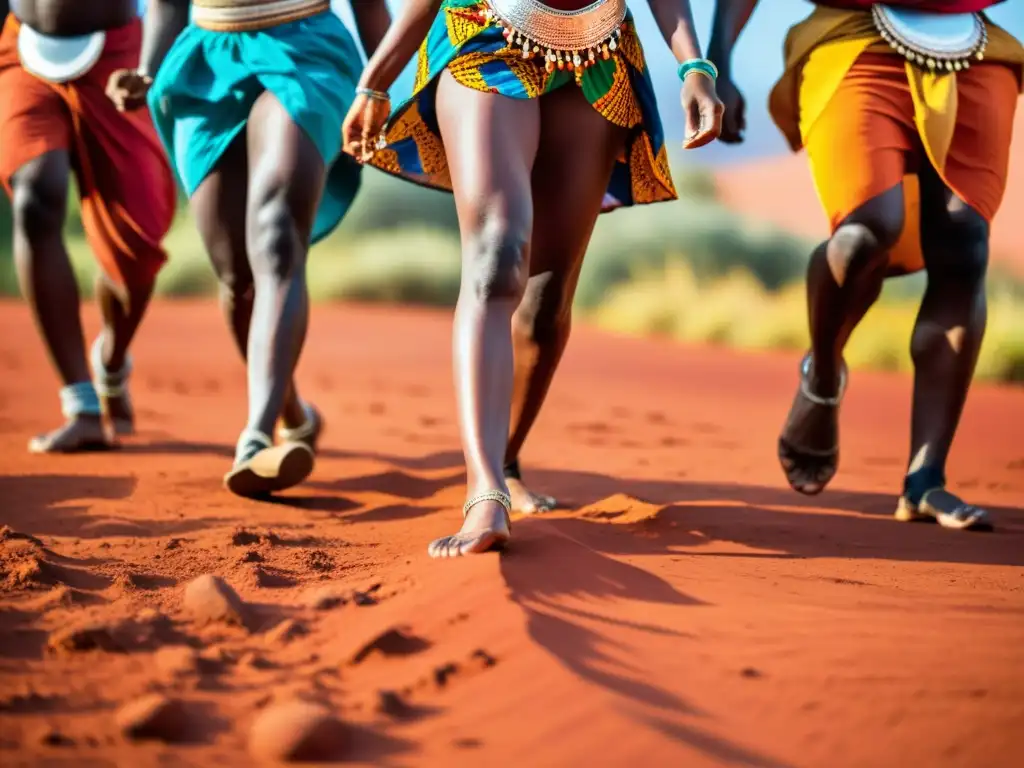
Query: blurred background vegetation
x=692, y=270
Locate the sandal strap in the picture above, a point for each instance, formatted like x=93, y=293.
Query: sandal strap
x=304, y=430
x=499, y=496
x=805, y=387
x=108, y=383
x=962, y=509
x=79, y=399
x=247, y=438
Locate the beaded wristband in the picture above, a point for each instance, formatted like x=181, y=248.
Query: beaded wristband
x=372, y=94
x=705, y=67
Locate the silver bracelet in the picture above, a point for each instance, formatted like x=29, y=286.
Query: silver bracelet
x=372, y=94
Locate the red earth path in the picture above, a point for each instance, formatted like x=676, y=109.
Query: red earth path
x=685, y=608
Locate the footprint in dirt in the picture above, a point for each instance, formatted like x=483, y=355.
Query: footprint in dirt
x=393, y=642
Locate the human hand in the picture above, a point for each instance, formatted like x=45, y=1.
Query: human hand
x=734, y=121
x=703, y=110
x=364, y=124
x=128, y=88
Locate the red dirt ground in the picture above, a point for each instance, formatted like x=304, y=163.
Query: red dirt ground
x=686, y=610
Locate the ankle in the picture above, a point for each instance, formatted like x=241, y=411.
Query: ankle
x=79, y=400
x=824, y=378
x=917, y=483
x=512, y=471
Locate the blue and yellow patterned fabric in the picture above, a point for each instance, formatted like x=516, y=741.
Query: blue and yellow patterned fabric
x=464, y=40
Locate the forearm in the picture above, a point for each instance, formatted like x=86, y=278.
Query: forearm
x=164, y=21
x=731, y=17
x=372, y=23
x=675, y=20
x=399, y=44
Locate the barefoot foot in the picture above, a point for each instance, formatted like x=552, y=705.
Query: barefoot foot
x=486, y=527
x=525, y=501
x=79, y=434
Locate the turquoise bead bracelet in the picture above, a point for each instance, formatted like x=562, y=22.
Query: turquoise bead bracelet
x=703, y=66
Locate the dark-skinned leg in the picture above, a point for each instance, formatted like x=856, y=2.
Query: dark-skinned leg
x=286, y=177
x=220, y=213
x=491, y=142
x=945, y=345
x=844, y=278
x=580, y=145
x=39, y=205
x=122, y=310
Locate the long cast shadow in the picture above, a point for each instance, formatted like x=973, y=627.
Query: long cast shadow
x=772, y=519
x=541, y=571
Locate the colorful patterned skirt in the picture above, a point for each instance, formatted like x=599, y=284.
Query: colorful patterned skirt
x=468, y=44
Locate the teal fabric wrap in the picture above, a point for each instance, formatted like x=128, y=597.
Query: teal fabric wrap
x=202, y=96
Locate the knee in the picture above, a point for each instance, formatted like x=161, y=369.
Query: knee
x=38, y=207
x=959, y=254
x=544, y=316
x=233, y=286
x=858, y=246
x=496, y=267
x=276, y=250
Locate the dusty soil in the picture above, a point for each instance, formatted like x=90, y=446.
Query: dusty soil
x=684, y=609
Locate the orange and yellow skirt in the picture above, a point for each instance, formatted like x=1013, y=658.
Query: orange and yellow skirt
x=868, y=119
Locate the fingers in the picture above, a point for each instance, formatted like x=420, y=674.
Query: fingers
x=708, y=125
x=709, y=128
x=362, y=135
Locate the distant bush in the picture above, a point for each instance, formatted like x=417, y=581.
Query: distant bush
x=738, y=311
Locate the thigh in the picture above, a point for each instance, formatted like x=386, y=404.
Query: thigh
x=578, y=151
x=219, y=208
x=954, y=235
x=490, y=142
x=286, y=170
x=34, y=121
x=864, y=142
x=977, y=162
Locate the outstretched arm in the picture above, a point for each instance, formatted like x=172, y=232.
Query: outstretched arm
x=372, y=22
x=701, y=106
x=731, y=17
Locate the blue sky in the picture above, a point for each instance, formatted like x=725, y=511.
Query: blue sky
x=757, y=64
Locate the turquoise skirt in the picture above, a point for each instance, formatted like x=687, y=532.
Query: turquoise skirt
x=206, y=87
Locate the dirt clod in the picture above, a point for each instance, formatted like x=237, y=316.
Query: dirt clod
x=152, y=717
x=296, y=731
x=209, y=599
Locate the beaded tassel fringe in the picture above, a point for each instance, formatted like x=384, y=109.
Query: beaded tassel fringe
x=555, y=58
x=956, y=62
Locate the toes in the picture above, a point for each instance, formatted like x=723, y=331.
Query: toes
x=439, y=547
x=459, y=545
x=546, y=503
